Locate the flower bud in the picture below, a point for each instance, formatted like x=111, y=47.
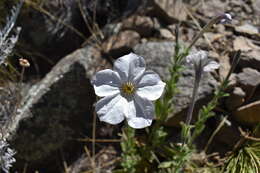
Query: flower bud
x=226, y=18
x=24, y=62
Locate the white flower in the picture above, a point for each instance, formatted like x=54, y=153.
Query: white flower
x=201, y=62
x=226, y=18
x=128, y=92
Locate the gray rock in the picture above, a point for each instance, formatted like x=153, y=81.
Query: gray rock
x=121, y=43
x=84, y=163
x=236, y=99
x=247, y=29
x=158, y=57
x=256, y=6
x=62, y=29
x=250, y=59
x=170, y=10
x=166, y=34
x=142, y=24
x=248, y=78
x=211, y=8
x=55, y=112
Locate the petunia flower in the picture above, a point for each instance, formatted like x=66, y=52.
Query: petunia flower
x=201, y=61
x=128, y=92
x=226, y=18
x=201, y=64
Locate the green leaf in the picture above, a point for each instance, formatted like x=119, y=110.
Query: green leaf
x=166, y=164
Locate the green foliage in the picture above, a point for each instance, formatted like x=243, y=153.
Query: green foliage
x=178, y=155
x=207, y=111
x=245, y=160
x=130, y=156
x=164, y=106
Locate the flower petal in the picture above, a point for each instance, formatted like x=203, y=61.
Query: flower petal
x=195, y=57
x=106, y=82
x=111, y=109
x=212, y=65
x=129, y=67
x=139, y=122
x=140, y=113
x=225, y=18
x=150, y=86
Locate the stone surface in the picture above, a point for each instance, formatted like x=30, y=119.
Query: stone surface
x=58, y=27
x=250, y=59
x=166, y=34
x=248, y=114
x=103, y=162
x=142, y=24
x=243, y=44
x=235, y=99
x=232, y=80
x=211, y=8
x=247, y=29
x=224, y=63
x=249, y=80
x=158, y=57
x=170, y=10
x=55, y=112
x=256, y=6
x=121, y=43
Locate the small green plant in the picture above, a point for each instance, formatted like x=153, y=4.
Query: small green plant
x=245, y=157
x=245, y=160
x=170, y=157
x=149, y=150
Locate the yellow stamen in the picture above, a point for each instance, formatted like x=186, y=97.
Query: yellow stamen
x=128, y=88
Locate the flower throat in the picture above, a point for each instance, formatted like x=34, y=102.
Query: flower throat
x=128, y=88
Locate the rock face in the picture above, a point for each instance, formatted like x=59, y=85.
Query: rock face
x=247, y=29
x=250, y=59
x=141, y=24
x=62, y=29
x=249, y=80
x=106, y=155
x=158, y=57
x=55, y=113
x=170, y=10
x=248, y=114
x=121, y=43
x=236, y=99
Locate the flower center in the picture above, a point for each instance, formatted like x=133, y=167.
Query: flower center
x=128, y=88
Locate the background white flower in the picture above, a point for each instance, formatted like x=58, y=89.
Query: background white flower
x=227, y=18
x=128, y=92
x=201, y=61
x=201, y=64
